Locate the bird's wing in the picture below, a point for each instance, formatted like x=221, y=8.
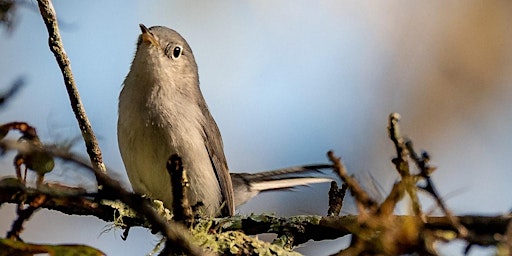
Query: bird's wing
x=213, y=143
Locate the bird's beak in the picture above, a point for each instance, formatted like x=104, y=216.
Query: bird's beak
x=147, y=36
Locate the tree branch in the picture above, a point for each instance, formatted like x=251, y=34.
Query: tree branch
x=57, y=47
x=175, y=233
x=483, y=229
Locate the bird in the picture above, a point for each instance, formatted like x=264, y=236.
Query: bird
x=162, y=112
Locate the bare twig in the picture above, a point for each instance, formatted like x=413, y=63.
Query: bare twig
x=357, y=191
x=336, y=196
x=57, y=47
x=401, y=162
x=14, y=88
x=425, y=171
x=7, y=13
x=24, y=215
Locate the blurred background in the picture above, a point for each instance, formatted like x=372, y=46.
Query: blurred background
x=286, y=82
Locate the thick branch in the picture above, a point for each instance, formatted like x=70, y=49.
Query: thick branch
x=67, y=200
x=483, y=229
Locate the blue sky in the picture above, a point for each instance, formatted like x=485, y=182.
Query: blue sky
x=286, y=82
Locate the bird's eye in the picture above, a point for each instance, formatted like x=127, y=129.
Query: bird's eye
x=176, y=52
x=173, y=51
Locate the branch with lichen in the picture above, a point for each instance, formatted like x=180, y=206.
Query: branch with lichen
x=376, y=228
x=73, y=201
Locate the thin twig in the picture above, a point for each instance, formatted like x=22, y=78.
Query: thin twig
x=8, y=13
x=401, y=162
x=357, y=191
x=57, y=47
x=425, y=171
x=13, y=89
x=336, y=196
x=24, y=215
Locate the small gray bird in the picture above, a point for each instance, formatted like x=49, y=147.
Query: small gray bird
x=162, y=112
